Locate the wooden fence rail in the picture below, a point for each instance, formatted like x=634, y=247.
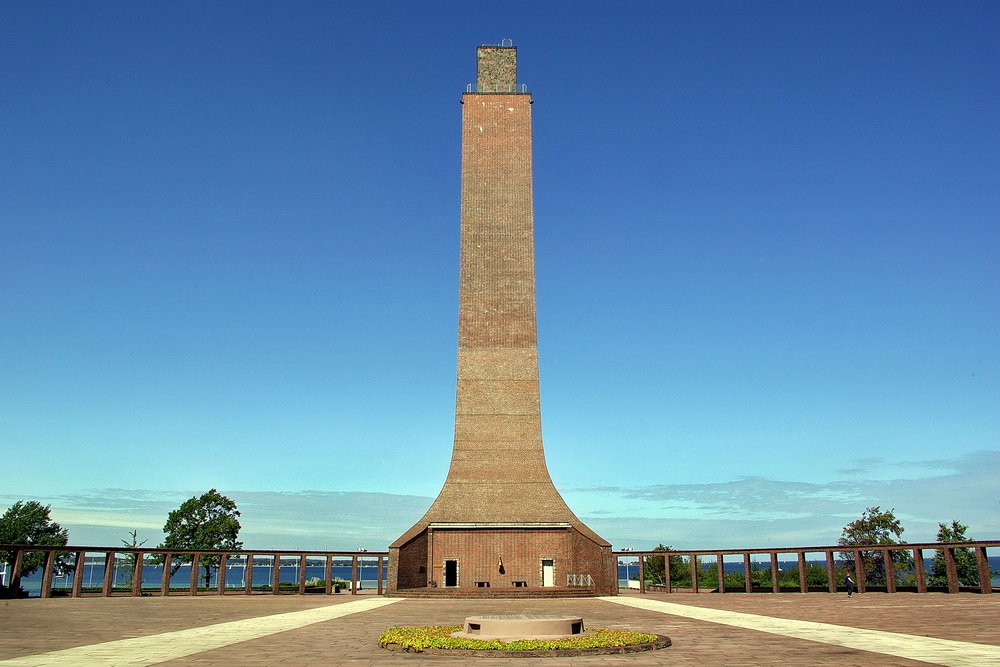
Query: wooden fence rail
x=167, y=558
x=917, y=551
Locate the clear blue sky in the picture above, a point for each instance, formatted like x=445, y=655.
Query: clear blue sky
x=767, y=262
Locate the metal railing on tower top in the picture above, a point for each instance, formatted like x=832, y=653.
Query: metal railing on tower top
x=511, y=89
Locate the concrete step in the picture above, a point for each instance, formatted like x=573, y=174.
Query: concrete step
x=495, y=593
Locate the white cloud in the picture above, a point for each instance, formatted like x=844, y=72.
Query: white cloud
x=748, y=512
x=760, y=512
x=310, y=520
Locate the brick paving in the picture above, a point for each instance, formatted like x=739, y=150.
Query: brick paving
x=31, y=627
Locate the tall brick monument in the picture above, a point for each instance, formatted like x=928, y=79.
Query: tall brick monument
x=498, y=522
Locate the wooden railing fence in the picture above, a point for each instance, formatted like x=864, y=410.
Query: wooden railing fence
x=167, y=558
x=886, y=551
x=141, y=557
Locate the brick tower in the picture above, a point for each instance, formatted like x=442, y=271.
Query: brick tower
x=498, y=522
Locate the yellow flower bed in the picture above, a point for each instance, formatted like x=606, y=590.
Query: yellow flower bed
x=417, y=639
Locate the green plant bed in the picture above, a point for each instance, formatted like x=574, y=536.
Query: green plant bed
x=438, y=639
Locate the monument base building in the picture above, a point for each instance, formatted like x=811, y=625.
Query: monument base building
x=498, y=523
x=502, y=558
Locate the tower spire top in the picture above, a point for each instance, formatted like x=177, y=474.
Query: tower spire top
x=496, y=69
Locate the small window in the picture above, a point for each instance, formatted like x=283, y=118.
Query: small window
x=482, y=584
x=519, y=584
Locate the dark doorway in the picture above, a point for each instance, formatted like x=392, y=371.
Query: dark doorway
x=451, y=573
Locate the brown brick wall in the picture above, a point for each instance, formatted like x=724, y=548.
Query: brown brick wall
x=597, y=561
x=484, y=363
x=497, y=270
x=478, y=551
x=408, y=564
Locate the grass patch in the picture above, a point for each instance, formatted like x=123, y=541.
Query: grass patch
x=416, y=639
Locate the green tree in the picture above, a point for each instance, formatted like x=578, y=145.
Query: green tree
x=760, y=577
x=965, y=559
x=815, y=576
x=874, y=527
x=30, y=523
x=654, y=569
x=210, y=521
x=127, y=566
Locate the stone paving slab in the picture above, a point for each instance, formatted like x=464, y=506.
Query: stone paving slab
x=180, y=644
x=36, y=626
x=932, y=650
x=965, y=617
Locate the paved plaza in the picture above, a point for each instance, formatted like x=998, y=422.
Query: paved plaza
x=706, y=629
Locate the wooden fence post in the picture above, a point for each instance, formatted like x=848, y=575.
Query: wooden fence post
x=354, y=575
x=195, y=561
x=165, y=575
x=919, y=571
x=859, y=573
x=831, y=573
x=951, y=569
x=248, y=574
x=747, y=579
x=220, y=578
x=983, y=565
x=109, y=573
x=78, y=566
x=137, y=574
x=50, y=565
x=15, y=575
x=890, y=570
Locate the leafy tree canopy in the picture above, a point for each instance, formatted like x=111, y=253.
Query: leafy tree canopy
x=655, y=570
x=965, y=559
x=210, y=521
x=29, y=523
x=874, y=527
x=952, y=533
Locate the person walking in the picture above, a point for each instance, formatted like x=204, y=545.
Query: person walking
x=850, y=585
